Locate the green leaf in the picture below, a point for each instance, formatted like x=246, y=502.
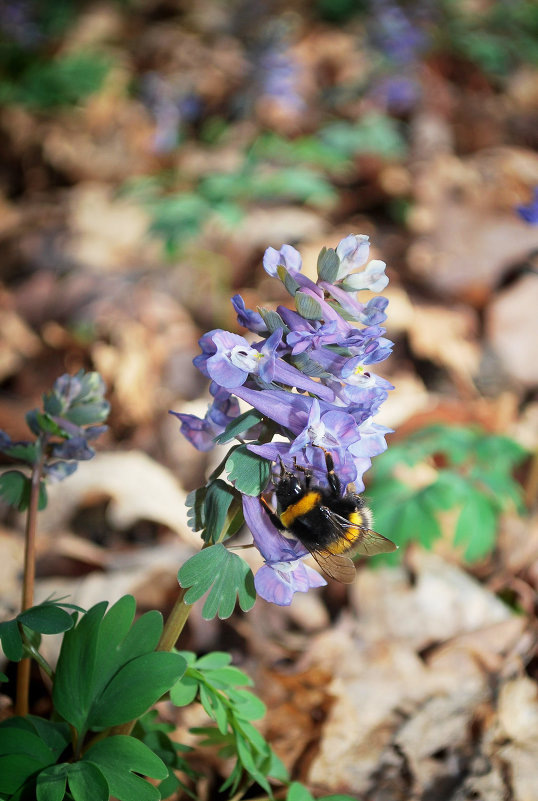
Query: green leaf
x=225, y=573
x=23, y=451
x=247, y=706
x=247, y=471
x=227, y=677
x=287, y=279
x=247, y=759
x=214, y=708
x=11, y=639
x=12, y=486
x=51, y=783
x=49, y=426
x=328, y=265
x=307, y=307
x=22, y=753
x=297, y=792
x=476, y=528
x=75, y=672
x=184, y=691
x=135, y=687
x=100, y=655
x=238, y=425
x=213, y=660
x=272, y=320
x=25, y=500
x=87, y=782
x=218, y=499
x=119, y=758
x=46, y=618
x=308, y=366
x=195, y=508
x=54, y=733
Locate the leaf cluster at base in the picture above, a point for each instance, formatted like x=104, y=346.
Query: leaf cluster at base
x=219, y=688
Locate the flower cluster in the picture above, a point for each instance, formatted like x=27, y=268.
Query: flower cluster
x=71, y=418
x=308, y=371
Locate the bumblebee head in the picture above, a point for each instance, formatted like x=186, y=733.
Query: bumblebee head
x=289, y=486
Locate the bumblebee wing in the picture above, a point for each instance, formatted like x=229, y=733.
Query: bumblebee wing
x=356, y=538
x=336, y=566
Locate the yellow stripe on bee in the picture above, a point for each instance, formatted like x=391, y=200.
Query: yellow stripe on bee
x=349, y=537
x=304, y=505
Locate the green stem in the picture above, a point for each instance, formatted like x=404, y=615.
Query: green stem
x=43, y=664
x=23, y=668
x=175, y=623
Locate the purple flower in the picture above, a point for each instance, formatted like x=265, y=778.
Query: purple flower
x=234, y=360
x=246, y=317
x=530, y=213
x=287, y=256
x=372, y=277
x=202, y=432
x=283, y=573
x=332, y=430
x=353, y=253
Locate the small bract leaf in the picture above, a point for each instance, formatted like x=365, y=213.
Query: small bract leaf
x=240, y=424
x=307, y=307
x=328, y=264
x=247, y=471
x=272, y=320
x=217, y=501
x=287, y=279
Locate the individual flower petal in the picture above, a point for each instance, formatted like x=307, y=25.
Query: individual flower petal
x=278, y=582
x=353, y=253
x=74, y=448
x=198, y=431
x=230, y=365
x=272, y=545
x=287, y=256
x=246, y=317
x=373, y=278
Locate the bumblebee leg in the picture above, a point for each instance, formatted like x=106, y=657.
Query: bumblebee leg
x=275, y=520
x=334, y=481
x=306, y=471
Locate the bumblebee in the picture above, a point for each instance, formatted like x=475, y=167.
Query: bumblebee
x=333, y=526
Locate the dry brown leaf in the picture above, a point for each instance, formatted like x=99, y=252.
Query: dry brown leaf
x=475, y=234
x=17, y=343
x=138, y=487
x=511, y=329
x=388, y=698
x=447, y=337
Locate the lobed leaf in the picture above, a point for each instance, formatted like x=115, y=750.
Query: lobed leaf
x=119, y=758
x=247, y=471
x=222, y=572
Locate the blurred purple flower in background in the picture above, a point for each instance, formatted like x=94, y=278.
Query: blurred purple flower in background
x=529, y=213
